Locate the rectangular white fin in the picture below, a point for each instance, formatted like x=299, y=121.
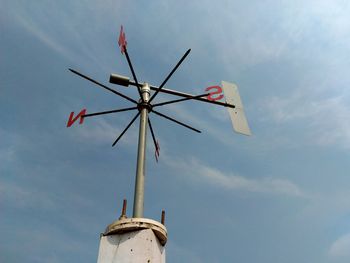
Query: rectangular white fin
x=239, y=121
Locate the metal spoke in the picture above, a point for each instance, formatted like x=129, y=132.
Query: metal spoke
x=108, y=112
x=132, y=71
x=127, y=127
x=170, y=74
x=152, y=132
x=178, y=100
x=103, y=86
x=178, y=122
x=154, y=140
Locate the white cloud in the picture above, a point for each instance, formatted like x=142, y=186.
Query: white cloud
x=59, y=27
x=44, y=37
x=341, y=247
x=230, y=181
x=328, y=15
x=324, y=120
x=257, y=38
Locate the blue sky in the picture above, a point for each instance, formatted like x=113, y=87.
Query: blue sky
x=281, y=195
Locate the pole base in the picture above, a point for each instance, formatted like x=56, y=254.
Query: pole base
x=131, y=240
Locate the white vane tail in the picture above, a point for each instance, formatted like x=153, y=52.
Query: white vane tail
x=239, y=121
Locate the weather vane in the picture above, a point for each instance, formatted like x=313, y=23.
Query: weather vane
x=145, y=106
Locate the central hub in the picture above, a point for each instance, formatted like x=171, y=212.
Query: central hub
x=145, y=93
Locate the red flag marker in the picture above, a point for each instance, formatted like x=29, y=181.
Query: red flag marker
x=156, y=153
x=216, y=94
x=73, y=119
x=122, y=40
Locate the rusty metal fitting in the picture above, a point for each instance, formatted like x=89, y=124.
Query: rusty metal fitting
x=123, y=215
x=163, y=217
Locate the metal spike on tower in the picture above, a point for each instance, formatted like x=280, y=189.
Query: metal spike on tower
x=138, y=239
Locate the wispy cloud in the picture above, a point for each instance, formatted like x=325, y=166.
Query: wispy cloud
x=53, y=24
x=231, y=181
x=323, y=120
x=341, y=248
x=44, y=37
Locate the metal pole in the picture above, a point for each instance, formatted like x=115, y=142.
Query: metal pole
x=141, y=154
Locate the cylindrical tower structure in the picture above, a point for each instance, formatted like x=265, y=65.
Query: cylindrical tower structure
x=136, y=239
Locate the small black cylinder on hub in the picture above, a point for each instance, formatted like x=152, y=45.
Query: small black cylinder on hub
x=119, y=80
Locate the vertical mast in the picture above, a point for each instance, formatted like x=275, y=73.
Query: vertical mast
x=141, y=153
